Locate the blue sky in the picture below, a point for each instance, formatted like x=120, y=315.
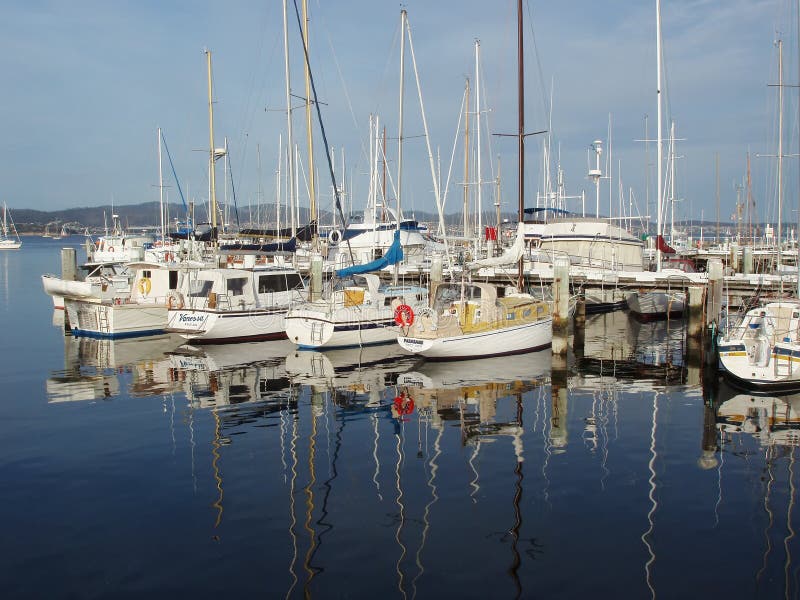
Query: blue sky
x=85, y=84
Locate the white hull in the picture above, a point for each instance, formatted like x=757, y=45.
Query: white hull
x=209, y=325
x=497, y=342
x=96, y=319
x=343, y=329
x=763, y=351
x=10, y=245
x=655, y=305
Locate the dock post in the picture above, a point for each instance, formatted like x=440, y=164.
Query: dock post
x=579, y=329
x=316, y=277
x=696, y=323
x=69, y=264
x=558, y=390
x=560, y=304
x=734, y=258
x=747, y=266
x=714, y=293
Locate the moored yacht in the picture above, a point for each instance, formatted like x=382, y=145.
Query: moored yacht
x=230, y=305
x=138, y=312
x=471, y=320
x=358, y=311
x=762, y=352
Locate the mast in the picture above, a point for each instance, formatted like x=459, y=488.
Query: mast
x=750, y=204
x=211, y=153
x=716, y=163
x=520, y=132
x=403, y=17
x=780, y=150
x=466, y=163
x=309, y=137
x=660, y=151
x=290, y=188
x=478, y=132
x=160, y=190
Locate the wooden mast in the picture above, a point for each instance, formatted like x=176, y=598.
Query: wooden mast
x=520, y=132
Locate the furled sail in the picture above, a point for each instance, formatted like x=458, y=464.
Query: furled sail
x=510, y=257
x=393, y=256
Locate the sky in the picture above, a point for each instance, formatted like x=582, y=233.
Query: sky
x=86, y=85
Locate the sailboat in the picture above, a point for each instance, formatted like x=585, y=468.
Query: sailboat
x=357, y=310
x=474, y=320
x=762, y=351
x=7, y=242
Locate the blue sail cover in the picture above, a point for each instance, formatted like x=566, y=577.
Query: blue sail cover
x=393, y=256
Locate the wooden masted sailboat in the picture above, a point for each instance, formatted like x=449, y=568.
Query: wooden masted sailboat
x=477, y=320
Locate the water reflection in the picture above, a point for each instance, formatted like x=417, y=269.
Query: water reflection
x=374, y=459
x=94, y=368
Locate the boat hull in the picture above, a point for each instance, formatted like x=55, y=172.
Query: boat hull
x=105, y=320
x=652, y=306
x=498, y=342
x=761, y=369
x=210, y=326
x=314, y=330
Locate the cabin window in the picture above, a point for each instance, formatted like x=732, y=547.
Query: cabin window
x=526, y=313
x=147, y=274
x=387, y=301
x=279, y=282
x=200, y=288
x=236, y=286
x=511, y=316
x=173, y=280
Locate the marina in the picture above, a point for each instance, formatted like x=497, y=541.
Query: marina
x=437, y=355
x=220, y=454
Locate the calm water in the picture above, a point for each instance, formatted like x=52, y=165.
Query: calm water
x=139, y=468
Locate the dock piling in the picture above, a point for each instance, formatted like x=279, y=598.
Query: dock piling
x=560, y=304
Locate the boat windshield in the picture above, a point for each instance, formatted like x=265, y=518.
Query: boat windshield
x=447, y=294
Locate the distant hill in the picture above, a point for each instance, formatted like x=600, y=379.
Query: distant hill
x=146, y=215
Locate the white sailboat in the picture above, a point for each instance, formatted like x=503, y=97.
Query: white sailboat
x=8, y=233
x=474, y=320
x=763, y=351
x=358, y=311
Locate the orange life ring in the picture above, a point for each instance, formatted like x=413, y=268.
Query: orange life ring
x=404, y=405
x=169, y=256
x=230, y=259
x=404, y=315
x=175, y=301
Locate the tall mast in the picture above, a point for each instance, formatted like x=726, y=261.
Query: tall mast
x=290, y=188
x=660, y=185
x=749, y=204
x=520, y=131
x=780, y=147
x=403, y=17
x=160, y=189
x=716, y=167
x=403, y=20
x=309, y=137
x=466, y=162
x=478, y=134
x=211, y=153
